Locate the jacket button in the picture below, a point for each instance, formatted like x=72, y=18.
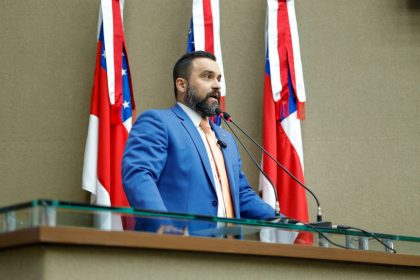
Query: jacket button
x=214, y=203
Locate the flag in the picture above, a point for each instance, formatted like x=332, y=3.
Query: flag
x=284, y=98
x=111, y=112
x=204, y=35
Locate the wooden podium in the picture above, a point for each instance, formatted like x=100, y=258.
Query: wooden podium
x=44, y=249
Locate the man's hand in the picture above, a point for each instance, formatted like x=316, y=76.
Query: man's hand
x=169, y=229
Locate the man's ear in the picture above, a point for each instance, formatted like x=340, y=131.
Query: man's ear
x=181, y=85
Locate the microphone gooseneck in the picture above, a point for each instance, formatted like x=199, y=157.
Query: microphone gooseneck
x=277, y=204
x=227, y=118
x=320, y=224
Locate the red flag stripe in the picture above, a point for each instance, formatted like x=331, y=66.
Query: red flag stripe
x=269, y=129
x=208, y=26
x=285, y=48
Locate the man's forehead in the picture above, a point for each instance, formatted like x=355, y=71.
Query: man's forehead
x=205, y=64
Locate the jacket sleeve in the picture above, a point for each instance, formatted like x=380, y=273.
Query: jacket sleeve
x=143, y=161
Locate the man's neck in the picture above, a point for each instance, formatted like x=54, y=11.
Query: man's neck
x=193, y=115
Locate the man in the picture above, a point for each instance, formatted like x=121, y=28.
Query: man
x=171, y=160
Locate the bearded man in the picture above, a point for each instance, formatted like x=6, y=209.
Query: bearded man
x=176, y=160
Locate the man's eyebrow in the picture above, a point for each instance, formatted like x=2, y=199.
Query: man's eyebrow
x=208, y=72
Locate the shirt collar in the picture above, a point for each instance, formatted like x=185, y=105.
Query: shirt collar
x=193, y=115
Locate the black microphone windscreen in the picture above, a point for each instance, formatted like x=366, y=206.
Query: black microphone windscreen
x=226, y=116
x=218, y=111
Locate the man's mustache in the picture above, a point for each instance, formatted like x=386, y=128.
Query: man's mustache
x=214, y=94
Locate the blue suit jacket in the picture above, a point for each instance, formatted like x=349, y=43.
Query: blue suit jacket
x=166, y=168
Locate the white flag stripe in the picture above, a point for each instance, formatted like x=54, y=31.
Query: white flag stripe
x=300, y=86
x=122, y=2
x=102, y=197
x=90, y=164
x=198, y=21
x=128, y=124
x=99, y=22
x=291, y=126
x=105, y=220
x=217, y=45
x=267, y=190
x=266, y=33
x=273, y=54
x=106, y=6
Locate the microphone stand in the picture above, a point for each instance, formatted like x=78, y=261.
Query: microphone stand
x=319, y=223
x=277, y=204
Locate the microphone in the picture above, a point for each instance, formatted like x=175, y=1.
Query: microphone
x=227, y=118
x=221, y=144
x=277, y=205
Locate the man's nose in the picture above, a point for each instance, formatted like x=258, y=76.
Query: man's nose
x=216, y=84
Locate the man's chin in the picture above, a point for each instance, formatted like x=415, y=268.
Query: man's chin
x=208, y=111
x=213, y=108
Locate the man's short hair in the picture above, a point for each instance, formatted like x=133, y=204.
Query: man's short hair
x=182, y=68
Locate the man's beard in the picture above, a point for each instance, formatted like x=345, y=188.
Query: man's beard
x=203, y=107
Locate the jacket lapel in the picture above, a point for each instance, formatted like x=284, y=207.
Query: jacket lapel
x=196, y=138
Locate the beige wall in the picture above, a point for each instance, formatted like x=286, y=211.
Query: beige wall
x=361, y=67
x=88, y=262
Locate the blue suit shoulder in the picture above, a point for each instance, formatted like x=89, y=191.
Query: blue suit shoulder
x=154, y=113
